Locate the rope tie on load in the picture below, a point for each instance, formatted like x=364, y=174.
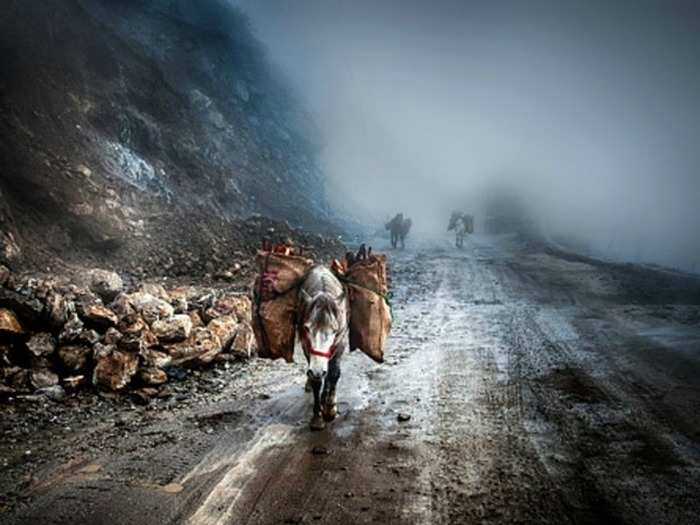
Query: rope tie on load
x=386, y=296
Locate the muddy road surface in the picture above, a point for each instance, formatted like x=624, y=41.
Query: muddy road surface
x=522, y=385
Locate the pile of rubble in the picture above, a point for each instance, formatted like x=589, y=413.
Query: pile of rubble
x=58, y=335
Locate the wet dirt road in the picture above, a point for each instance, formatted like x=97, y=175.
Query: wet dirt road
x=541, y=388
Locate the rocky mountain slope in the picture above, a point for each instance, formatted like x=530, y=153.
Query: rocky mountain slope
x=139, y=134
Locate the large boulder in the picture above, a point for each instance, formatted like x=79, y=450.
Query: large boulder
x=156, y=359
x=41, y=344
x=115, y=369
x=136, y=336
x=150, y=307
x=122, y=306
x=27, y=307
x=71, y=329
x=156, y=290
x=173, y=329
x=42, y=378
x=98, y=316
x=230, y=304
x=225, y=329
x=243, y=344
x=9, y=324
x=73, y=357
x=58, y=309
x=152, y=376
x=106, y=284
x=200, y=348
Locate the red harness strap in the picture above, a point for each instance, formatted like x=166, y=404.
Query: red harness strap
x=312, y=351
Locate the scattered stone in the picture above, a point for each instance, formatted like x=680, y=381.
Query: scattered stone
x=153, y=376
x=172, y=488
x=225, y=328
x=9, y=324
x=112, y=336
x=195, y=318
x=156, y=359
x=74, y=358
x=244, y=341
x=54, y=393
x=122, y=306
x=156, y=290
x=42, y=378
x=106, y=284
x=174, y=329
x=176, y=373
x=179, y=305
x=73, y=382
x=150, y=307
x=83, y=170
x=4, y=274
x=230, y=304
x=72, y=330
x=18, y=379
x=92, y=468
x=28, y=309
x=57, y=309
x=42, y=344
x=98, y=316
x=114, y=370
x=143, y=396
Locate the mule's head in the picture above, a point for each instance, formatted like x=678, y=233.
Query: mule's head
x=320, y=332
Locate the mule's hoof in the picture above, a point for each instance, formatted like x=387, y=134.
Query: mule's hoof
x=329, y=412
x=317, y=423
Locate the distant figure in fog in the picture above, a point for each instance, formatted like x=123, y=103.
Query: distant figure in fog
x=462, y=224
x=399, y=228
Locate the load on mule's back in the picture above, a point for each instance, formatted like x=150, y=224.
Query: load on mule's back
x=324, y=309
x=399, y=228
x=462, y=223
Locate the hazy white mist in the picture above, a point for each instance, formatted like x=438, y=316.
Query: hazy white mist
x=590, y=111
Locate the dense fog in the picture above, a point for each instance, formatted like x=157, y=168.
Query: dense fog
x=588, y=111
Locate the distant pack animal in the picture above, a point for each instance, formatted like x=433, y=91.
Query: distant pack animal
x=322, y=330
x=399, y=228
x=462, y=224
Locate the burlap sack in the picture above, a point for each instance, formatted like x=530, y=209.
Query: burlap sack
x=275, y=303
x=370, y=314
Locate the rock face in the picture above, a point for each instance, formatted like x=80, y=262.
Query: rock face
x=173, y=329
x=106, y=284
x=114, y=370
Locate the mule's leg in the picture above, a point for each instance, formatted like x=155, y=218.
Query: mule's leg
x=329, y=406
x=317, y=422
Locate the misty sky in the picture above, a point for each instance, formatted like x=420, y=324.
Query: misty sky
x=590, y=110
